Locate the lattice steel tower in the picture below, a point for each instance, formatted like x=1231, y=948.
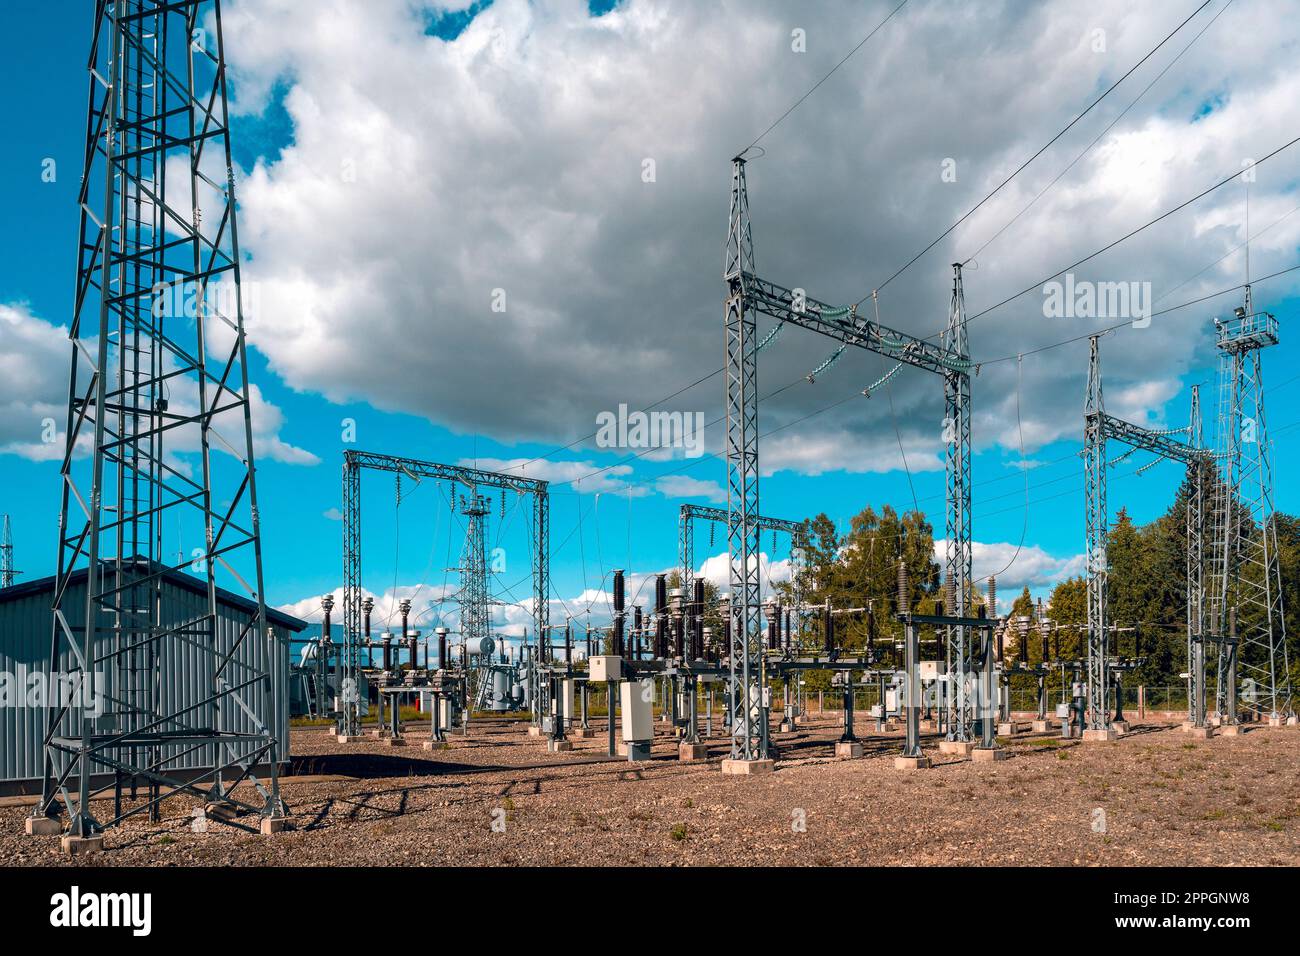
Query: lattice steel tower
x=474, y=599
x=748, y=717
x=159, y=438
x=7, y=571
x=1245, y=584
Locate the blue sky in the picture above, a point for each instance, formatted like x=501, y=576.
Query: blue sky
x=43, y=103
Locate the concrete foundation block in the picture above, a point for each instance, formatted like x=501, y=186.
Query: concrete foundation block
x=620, y=748
x=582, y=733
x=1293, y=721
x=349, y=738
x=1042, y=726
x=1120, y=727
x=927, y=726
x=786, y=727
x=81, y=846
x=394, y=741
x=1010, y=728
x=911, y=763
x=692, y=752
x=559, y=746
x=1232, y=730
x=1100, y=736
x=961, y=748
x=750, y=768
x=847, y=748
x=43, y=826
x=534, y=731
x=1277, y=721
x=274, y=825
x=1200, y=733
x=988, y=754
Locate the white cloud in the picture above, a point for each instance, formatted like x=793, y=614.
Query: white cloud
x=1029, y=566
x=684, y=486
x=34, y=363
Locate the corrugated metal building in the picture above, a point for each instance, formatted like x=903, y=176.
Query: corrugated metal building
x=25, y=627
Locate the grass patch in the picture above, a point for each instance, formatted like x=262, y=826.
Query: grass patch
x=678, y=832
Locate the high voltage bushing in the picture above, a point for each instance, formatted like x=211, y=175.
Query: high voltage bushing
x=442, y=646
x=697, y=621
x=774, y=628
x=619, y=598
x=405, y=609
x=638, y=623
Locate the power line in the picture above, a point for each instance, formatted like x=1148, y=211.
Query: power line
x=846, y=58
x=1111, y=125
x=1129, y=235
x=1040, y=152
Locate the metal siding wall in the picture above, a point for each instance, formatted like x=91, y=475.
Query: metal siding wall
x=25, y=625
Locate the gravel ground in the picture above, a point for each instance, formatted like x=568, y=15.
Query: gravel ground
x=1162, y=799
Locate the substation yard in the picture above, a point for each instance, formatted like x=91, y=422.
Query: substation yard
x=1167, y=800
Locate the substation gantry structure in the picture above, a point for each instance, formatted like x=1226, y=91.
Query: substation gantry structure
x=1244, y=613
x=149, y=380
x=1099, y=429
x=690, y=514
x=475, y=480
x=748, y=294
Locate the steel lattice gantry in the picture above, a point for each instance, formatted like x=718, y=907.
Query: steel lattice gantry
x=158, y=374
x=686, y=535
x=473, y=478
x=1245, y=586
x=1099, y=428
x=748, y=294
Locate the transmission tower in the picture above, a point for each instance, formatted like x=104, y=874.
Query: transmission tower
x=474, y=600
x=7, y=572
x=1245, y=586
x=159, y=397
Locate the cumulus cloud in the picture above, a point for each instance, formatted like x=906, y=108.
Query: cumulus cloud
x=429, y=181
x=34, y=359
x=1029, y=567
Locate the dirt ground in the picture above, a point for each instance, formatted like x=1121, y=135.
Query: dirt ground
x=1153, y=797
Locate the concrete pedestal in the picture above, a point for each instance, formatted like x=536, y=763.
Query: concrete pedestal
x=1232, y=730
x=1042, y=726
x=961, y=748
x=1293, y=721
x=534, y=731
x=1276, y=722
x=1099, y=736
x=582, y=733
x=988, y=754
x=620, y=748
x=1010, y=728
x=43, y=826
x=911, y=763
x=559, y=746
x=394, y=741
x=1120, y=727
x=748, y=767
x=79, y=846
x=687, y=751
x=433, y=744
x=349, y=738
x=848, y=748
x=926, y=726
x=786, y=727
x=274, y=825
x=1200, y=733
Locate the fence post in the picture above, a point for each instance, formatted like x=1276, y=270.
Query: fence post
x=1142, y=702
